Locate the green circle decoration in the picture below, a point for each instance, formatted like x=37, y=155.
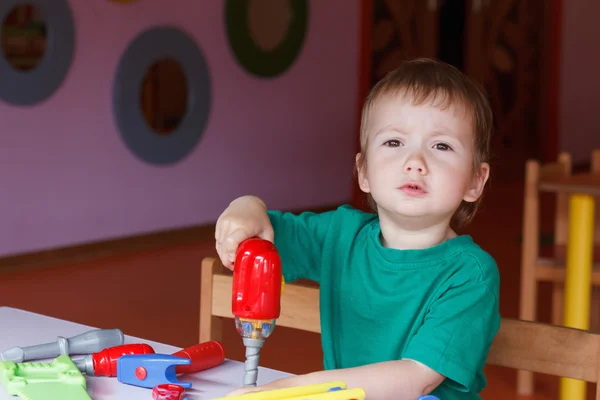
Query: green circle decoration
x=254, y=59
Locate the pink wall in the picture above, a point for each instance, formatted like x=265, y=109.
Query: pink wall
x=68, y=178
x=580, y=79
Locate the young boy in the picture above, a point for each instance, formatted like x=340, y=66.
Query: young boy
x=408, y=307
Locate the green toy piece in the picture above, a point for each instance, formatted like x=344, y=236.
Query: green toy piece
x=60, y=379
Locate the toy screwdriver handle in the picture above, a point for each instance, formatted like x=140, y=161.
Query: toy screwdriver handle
x=104, y=363
x=257, y=280
x=203, y=355
x=85, y=343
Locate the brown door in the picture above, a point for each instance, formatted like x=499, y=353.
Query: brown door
x=504, y=52
x=402, y=29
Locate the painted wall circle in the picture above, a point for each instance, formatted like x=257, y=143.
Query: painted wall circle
x=29, y=87
x=163, y=42
x=251, y=39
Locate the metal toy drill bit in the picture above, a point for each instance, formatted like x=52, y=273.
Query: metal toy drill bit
x=253, y=347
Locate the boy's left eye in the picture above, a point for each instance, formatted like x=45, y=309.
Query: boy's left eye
x=442, y=146
x=392, y=143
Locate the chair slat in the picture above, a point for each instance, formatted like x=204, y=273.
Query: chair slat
x=547, y=349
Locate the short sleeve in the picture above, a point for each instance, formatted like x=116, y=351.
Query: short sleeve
x=458, y=331
x=299, y=240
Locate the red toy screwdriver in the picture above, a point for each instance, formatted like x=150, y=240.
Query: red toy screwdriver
x=104, y=363
x=203, y=355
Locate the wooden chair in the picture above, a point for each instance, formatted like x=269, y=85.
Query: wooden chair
x=547, y=349
x=521, y=345
x=535, y=268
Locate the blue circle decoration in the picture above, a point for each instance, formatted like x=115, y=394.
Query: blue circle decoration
x=266, y=64
x=147, y=48
x=24, y=88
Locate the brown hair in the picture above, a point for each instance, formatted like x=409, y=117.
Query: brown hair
x=431, y=80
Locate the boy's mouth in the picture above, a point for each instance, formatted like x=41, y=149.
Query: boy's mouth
x=413, y=189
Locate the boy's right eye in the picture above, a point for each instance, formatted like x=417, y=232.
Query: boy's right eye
x=392, y=143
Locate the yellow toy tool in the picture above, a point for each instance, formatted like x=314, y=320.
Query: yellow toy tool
x=335, y=390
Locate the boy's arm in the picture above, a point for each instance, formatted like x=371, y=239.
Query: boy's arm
x=299, y=239
x=397, y=380
x=460, y=326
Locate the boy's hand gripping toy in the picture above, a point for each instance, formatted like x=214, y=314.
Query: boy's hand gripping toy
x=257, y=287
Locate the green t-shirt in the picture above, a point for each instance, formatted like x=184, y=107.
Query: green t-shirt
x=438, y=306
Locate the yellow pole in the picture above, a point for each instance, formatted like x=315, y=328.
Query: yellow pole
x=578, y=278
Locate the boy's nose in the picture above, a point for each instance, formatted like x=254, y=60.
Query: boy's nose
x=415, y=164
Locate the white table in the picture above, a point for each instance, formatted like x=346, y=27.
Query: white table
x=23, y=328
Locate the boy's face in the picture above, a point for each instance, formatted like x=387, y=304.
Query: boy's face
x=419, y=160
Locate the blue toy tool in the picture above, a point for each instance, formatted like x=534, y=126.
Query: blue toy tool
x=149, y=370
x=428, y=397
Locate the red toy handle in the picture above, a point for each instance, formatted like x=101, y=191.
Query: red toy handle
x=105, y=361
x=256, y=280
x=203, y=355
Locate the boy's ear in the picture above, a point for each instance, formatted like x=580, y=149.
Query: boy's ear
x=477, y=183
x=363, y=183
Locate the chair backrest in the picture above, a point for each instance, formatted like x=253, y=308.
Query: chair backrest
x=522, y=345
x=299, y=304
x=534, y=172
x=595, y=169
x=547, y=349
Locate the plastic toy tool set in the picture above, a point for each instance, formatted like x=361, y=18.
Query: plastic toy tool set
x=102, y=353
x=256, y=295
